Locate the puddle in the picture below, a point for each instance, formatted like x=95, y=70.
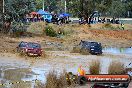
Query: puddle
x=11, y=77
x=105, y=62
x=118, y=50
x=14, y=69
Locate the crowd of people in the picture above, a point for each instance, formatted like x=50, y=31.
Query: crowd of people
x=61, y=19
x=57, y=19
x=33, y=18
x=94, y=20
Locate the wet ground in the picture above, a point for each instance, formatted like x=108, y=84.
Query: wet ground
x=118, y=50
x=15, y=69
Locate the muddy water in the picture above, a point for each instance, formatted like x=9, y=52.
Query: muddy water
x=14, y=68
x=14, y=76
x=118, y=50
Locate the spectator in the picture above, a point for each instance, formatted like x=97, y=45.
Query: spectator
x=81, y=71
x=122, y=26
x=103, y=20
x=35, y=19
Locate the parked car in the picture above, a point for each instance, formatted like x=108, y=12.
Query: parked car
x=29, y=48
x=91, y=47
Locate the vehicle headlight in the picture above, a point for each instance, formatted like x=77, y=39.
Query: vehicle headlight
x=26, y=50
x=92, y=49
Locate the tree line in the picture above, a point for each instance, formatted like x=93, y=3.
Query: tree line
x=16, y=9
x=111, y=8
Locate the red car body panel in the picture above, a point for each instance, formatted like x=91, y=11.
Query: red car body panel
x=30, y=48
x=34, y=51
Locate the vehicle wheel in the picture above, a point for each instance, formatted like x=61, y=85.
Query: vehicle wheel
x=38, y=55
x=94, y=53
x=81, y=80
x=99, y=54
x=22, y=52
x=28, y=54
x=84, y=51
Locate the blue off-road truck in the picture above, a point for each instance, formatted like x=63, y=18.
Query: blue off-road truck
x=86, y=47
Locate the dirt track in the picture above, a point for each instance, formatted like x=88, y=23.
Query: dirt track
x=115, y=38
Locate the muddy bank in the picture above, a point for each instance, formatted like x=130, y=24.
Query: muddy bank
x=9, y=44
x=108, y=37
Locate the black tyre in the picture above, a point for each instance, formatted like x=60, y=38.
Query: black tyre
x=82, y=80
x=28, y=54
x=23, y=53
x=39, y=55
x=100, y=54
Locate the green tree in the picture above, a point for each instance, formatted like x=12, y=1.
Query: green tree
x=39, y=4
x=77, y=8
x=86, y=7
x=49, y=5
x=129, y=7
x=73, y=8
x=117, y=9
x=16, y=9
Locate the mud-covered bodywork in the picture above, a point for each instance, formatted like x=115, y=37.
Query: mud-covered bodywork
x=30, y=48
x=91, y=47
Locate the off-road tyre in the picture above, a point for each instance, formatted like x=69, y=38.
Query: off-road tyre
x=81, y=80
x=23, y=53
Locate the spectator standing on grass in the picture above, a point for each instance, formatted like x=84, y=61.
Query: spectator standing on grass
x=81, y=71
x=122, y=26
x=103, y=20
x=35, y=19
